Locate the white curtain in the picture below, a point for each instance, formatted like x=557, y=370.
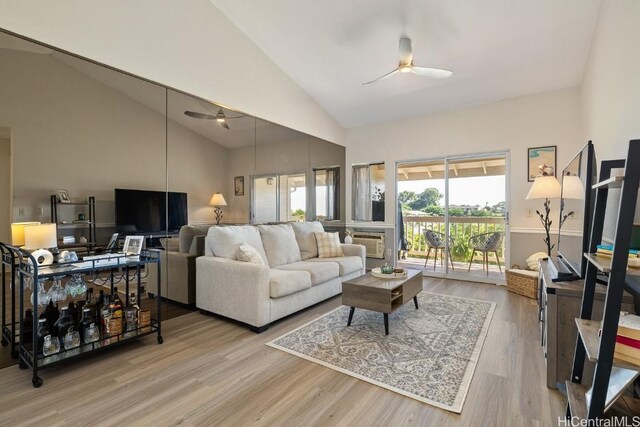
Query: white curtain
x=361, y=193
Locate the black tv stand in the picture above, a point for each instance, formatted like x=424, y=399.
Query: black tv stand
x=562, y=272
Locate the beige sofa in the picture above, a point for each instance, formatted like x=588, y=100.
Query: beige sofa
x=291, y=278
x=178, y=260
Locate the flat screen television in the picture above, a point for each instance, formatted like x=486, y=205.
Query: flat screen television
x=145, y=212
x=577, y=196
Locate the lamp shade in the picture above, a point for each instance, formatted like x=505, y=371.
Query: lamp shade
x=17, y=232
x=40, y=236
x=544, y=187
x=217, y=200
x=572, y=187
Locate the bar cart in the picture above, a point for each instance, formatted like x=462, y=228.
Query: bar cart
x=9, y=263
x=116, y=267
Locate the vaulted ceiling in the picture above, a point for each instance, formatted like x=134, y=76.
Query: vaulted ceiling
x=497, y=49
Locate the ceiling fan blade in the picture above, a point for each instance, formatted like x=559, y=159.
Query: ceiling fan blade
x=383, y=77
x=197, y=115
x=435, y=73
x=225, y=125
x=405, y=51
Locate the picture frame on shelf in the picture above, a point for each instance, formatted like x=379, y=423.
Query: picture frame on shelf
x=541, y=161
x=133, y=245
x=63, y=196
x=238, y=185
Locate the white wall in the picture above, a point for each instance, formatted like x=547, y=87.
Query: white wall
x=5, y=189
x=610, y=91
x=189, y=46
x=550, y=118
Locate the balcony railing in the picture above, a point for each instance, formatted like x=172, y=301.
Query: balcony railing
x=460, y=229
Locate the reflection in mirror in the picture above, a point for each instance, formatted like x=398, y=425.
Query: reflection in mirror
x=368, y=192
x=78, y=131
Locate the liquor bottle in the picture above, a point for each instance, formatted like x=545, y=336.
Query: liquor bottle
x=62, y=325
x=105, y=314
x=74, y=313
x=28, y=326
x=87, y=320
x=99, y=304
x=90, y=302
x=51, y=314
x=118, y=306
x=131, y=313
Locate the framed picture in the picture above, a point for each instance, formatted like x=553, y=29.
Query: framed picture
x=133, y=245
x=63, y=196
x=541, y=161
x=238, y=185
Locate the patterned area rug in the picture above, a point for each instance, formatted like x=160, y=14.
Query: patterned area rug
x=430, y=354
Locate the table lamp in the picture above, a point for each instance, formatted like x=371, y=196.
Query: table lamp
x=545, y=187
x=38, y=238
x=217, y=200
x=17, y=232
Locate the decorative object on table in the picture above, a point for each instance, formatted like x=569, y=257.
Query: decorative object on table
x=17, y=232
x=238, y=185
x=63, y=196
x=523, y=282
x=51, y=345
x=113, y=241
x=399, y=362
x=347, y=238
x=541, y=161
x=133, y=245
x=38, y=239
x=545, y=187
x=391, y=274
x=82, y=240
x=386, y=269
x=217, y=201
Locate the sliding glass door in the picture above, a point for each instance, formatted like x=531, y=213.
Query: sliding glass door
x=452, y=216
x=278, y=198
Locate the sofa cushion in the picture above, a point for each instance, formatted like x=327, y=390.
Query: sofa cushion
x=283, y=283
x=280, y=244
x=347, y=264
x=224, y=241
x=187, y=232
x=248, y=253
x=328, y=245
x=320, y=271
x=306, y=239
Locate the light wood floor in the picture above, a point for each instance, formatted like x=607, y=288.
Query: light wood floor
x=213, y=372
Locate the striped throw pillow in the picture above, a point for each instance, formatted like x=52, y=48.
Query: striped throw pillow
x=328, y=245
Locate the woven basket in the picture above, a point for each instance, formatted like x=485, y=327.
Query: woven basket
x=522, y=283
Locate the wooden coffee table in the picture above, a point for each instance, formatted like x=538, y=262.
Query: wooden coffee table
x=381, y=295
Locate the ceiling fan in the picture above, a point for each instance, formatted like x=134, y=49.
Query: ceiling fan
x=220, y=117
x=405, y=65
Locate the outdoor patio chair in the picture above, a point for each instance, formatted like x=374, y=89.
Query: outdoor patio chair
x=436, y=241
x=485, y=243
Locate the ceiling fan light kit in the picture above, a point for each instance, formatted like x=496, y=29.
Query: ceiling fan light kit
x=405, y=52
x=220, y=117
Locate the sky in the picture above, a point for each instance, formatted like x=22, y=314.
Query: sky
x=463, y=191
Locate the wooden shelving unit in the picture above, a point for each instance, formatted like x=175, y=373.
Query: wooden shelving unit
x=597, y=340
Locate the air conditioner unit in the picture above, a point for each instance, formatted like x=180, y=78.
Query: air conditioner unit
x=373, y=242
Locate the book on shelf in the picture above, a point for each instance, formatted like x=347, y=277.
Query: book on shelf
x=629, y=326
x=608, y=250
x=626, y=358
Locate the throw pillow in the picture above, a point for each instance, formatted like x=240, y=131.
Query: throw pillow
x=306, y=240
x=248, y=253
x=328, y=245
x=279, y=242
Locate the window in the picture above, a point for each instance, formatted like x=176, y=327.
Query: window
x=327, y=182
x=279, y=198
x=368, y=192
